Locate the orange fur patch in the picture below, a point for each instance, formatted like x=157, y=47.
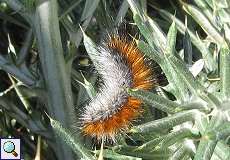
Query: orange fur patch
x=131, y=109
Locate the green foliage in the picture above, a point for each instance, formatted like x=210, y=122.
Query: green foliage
x=29, y=4
x=191, y=46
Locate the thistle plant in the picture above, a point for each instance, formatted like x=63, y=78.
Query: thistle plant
x=186, y=119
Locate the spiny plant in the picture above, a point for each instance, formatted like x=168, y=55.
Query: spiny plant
x=198, y=119
x=190, y=45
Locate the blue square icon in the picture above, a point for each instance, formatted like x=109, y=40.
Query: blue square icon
x=10, y=148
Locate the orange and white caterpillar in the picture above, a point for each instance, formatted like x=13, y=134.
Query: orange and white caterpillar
x=121, y=65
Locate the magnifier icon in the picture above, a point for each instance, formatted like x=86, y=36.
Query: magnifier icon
x=9, y=147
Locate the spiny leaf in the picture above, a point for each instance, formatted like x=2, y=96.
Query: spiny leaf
x=68, y=137
x=166, y=123
x=204, y=22
x=154, y=100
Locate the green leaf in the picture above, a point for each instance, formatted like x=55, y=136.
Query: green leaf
x=84, y=20
x=206, y=9
x=146, y=32
x=151, y=52
x=146, y=154
x=122, y=11
x=29, y=4
x=204, y=22
x=187, y=48
x=184, y=150
x=149, y=28
x=154, y=100
x=91, y=49
x=5, y=65
x=171, y=39
x=173, y=138
x=70, y=139
x=224, y=71
x=224, y=15
x=166, y=123
x=12, y=20
x=205, y=150
x=178, y=88
x=25, y=48
x=89, y=88
x=201, y=123
x=193, y=105
x=115, y=156
x=218, y=119
x=209, y=62
x=69, y=9
x=218, y=133
x=193, y=84
x=222, y=150
x=151, y=144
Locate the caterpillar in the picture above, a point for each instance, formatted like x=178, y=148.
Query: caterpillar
x=121, y=65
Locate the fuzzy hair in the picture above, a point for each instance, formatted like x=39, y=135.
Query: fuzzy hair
x=121, y=65
x=116, y=76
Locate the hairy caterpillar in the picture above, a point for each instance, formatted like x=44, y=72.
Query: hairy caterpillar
x=121, y=65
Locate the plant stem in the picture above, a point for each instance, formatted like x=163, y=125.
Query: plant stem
x=59, y=96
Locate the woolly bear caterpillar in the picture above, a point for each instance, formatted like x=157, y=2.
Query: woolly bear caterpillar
x=121, y=65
